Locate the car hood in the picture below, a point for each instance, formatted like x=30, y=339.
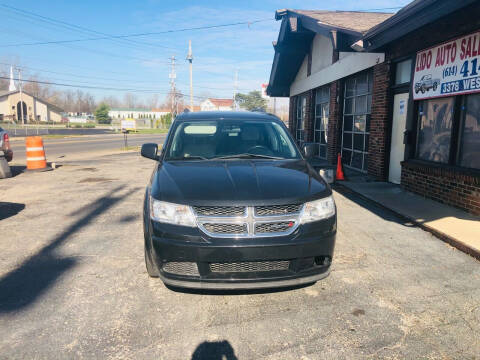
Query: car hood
x=238, y=182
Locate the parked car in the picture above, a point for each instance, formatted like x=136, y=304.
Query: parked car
x=232, y=203
x=5, y=145
x=426, y=83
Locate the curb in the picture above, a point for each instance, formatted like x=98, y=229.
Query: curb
x=438, y=234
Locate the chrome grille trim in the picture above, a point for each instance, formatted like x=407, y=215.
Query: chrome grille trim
x=273, y=227
x=181, y=268
x=245, y=226
x=277, y=210
x=251, y=266
x=223, y=211
x=226, y=228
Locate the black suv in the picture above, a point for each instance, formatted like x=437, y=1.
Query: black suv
x=233, y=204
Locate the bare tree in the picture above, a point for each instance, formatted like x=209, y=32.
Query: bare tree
x=130, y=100
x=111, y=101
x=153, y=102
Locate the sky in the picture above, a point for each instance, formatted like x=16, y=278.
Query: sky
x=143, y=63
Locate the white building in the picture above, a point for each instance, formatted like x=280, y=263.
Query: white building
x=212, y=104
x=135, y=113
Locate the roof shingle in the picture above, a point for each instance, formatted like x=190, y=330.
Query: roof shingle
x=358, y=21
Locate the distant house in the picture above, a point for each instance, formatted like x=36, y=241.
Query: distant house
x=212, y=104
x=14, y=105
x=187, y=107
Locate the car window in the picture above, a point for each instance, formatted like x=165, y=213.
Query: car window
x=218, y=138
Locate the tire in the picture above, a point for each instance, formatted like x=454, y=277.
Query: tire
x=4, y=168
x=152, y=270
x=422, y=89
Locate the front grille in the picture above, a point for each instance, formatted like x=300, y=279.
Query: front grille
x=248, y=221
x=226, y=228
x=252, y=266
x=276, y=210
x=219, y=210
x=181, y=268
x=273, y=227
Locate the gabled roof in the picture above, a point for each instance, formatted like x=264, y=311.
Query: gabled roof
x=297, y=31
x=7, y=92
x=55, y=107
x=221, y=102
x=357, y=21
x=410, y=18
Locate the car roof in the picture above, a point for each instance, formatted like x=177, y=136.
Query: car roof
x=226, y=115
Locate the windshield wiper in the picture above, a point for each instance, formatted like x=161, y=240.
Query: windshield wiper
x=247, y=156
x=189, y=158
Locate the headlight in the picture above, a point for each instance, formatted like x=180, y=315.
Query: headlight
x=318, y=210
x=169, y=213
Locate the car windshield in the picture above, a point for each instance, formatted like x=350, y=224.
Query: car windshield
x=230, y=139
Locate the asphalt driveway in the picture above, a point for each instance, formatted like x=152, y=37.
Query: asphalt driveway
x=73, y=284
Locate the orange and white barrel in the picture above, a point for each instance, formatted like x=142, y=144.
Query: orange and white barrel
x=35, y=153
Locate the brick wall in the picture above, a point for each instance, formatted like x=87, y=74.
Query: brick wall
x=377, y=148
x=309, y=115
x=445, y=185
x=334, y=122
x=292, y=110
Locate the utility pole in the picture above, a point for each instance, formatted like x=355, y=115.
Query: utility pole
x=235, y=89
x=190, y=60
x=173, y=90
x=21, y=94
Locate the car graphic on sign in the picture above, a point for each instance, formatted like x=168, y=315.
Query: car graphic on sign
x=426, y=83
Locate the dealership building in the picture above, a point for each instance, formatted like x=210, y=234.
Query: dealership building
x=397, y=95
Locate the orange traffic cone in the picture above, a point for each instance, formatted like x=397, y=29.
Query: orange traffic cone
x=340, y=175
x=36, y=154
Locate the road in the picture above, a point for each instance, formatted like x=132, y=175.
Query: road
x=65, y=148
x=73, y=284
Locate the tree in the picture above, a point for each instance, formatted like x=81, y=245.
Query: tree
x=251, y=101
x=130, y=101
x=101, y=114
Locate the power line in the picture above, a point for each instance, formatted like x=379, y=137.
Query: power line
x=139, y=34
x=112, y=79
x=80, y=76
x=93, y=87
x=73, y=27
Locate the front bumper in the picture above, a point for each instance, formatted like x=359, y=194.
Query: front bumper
x=308, y=253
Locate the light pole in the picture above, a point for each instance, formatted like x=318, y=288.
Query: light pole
x=190, y=60
x=21, y=94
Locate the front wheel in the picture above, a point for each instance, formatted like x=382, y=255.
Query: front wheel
x=151, y=269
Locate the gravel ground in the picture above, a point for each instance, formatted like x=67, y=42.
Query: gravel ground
x=73, y=284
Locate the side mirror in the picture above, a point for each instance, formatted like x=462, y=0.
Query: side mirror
x=149, y=151
x=309, y=150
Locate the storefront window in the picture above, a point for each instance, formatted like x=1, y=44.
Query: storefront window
x=356, y=120
x=470, y=133
x=322, y=105
x=435, y=129
x=300, y=128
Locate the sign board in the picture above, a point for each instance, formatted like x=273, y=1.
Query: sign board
x=402, y=107
x=451, y=68
x=128, y=124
